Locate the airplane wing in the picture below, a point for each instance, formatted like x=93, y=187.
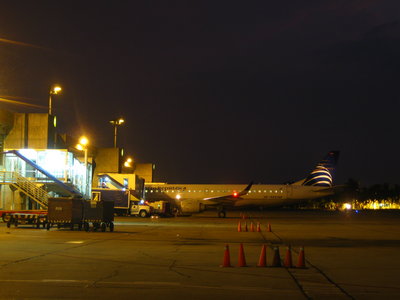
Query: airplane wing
x=227, y=199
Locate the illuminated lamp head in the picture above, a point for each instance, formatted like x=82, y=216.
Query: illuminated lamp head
x=347, y=206
x=178, y=197
x=235, y=194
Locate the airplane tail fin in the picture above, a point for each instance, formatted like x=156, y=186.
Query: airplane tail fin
x=323, y=173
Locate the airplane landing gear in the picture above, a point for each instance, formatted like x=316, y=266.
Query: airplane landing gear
x=221, y=214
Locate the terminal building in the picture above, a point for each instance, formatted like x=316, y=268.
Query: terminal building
x=37, y=162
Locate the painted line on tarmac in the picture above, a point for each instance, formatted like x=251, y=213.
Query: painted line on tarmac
x=151, y=284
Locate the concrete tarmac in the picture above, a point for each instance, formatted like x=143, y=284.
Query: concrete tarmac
x=348, y=256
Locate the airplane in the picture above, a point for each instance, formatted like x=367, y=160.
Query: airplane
x=194, y=198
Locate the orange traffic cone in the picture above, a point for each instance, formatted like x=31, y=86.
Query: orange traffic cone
x=245, y=226
x=269, y=227
x=262, y=262
x=251, y=227
x=242, y=259
x=239, y=227
x=227, y=258
x=276, y=262
x=301, y=262
x=288, y=258
x=258, y=227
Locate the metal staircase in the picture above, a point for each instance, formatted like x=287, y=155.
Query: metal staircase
x=33, y=190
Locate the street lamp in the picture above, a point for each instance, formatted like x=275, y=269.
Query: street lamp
x=82, y=146
x=54, y=90
x=128, y=163
x=116, y=123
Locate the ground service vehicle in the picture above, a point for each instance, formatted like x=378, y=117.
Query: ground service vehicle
x=161, y=208
x=122, y=199
x=141, y=209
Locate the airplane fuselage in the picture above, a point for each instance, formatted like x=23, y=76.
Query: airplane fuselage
x=194, y=197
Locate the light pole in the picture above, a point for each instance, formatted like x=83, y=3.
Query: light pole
x=116, y=123
x=82, y=146
x=54, y=90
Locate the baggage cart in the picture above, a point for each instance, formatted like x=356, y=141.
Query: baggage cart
x=65, y=212
x=100, y=214
x=27, y=218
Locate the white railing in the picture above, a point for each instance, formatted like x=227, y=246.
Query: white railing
x=30, y=188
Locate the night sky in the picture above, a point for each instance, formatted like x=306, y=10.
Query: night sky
x=217, y=91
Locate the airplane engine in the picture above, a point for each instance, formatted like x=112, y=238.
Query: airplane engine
x=191, y=206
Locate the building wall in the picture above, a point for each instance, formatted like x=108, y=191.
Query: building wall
x=39, y=135
x=6, y=122
x=17, y=138
x=146, y=171
x=35, y=131
x=107, y=160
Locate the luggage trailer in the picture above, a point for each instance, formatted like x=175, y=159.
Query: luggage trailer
x=76, y=212
x=36, y=218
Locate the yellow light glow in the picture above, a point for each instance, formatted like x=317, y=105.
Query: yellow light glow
x=83, y=141
x=178, y=197
x=347, y=206
x=120, y=121
x=129, y=160
x=79, y=147
x=55, y=122
x=127, y=164
x=55, y=89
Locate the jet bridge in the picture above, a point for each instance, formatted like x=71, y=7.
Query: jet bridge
x=22, y=174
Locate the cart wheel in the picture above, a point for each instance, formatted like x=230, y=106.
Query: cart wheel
x=48, y=226
x=8, y=224
x=111, y=226
x=86, y=226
